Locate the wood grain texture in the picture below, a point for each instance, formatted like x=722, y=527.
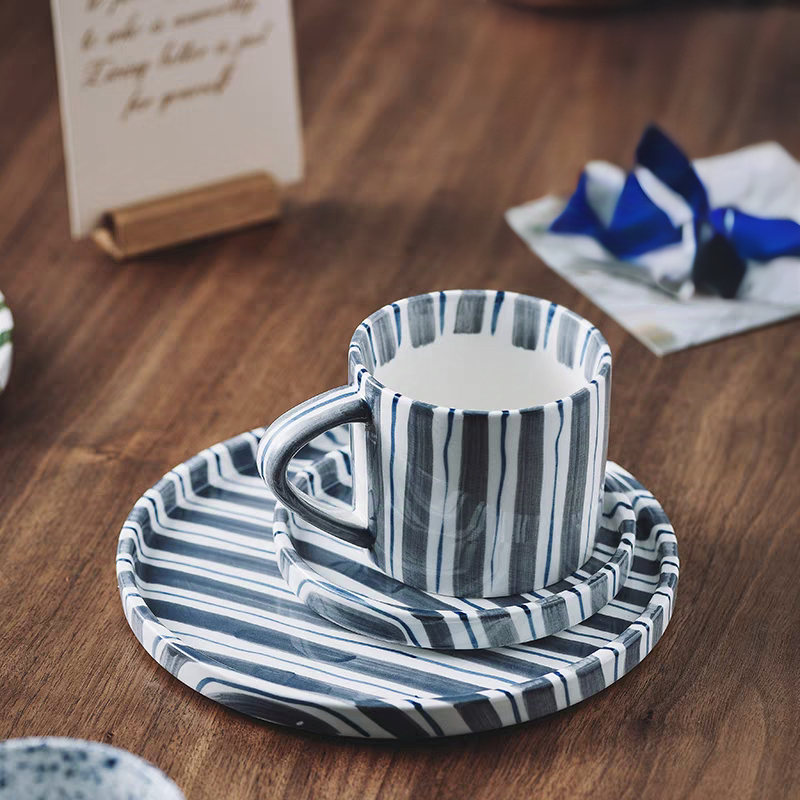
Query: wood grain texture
x=188, y=216
x=424, y=122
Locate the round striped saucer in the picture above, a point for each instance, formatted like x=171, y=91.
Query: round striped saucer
x=341, y=582
x=201, y=590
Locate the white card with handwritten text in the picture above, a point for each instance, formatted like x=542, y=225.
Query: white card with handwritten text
x=161, y=96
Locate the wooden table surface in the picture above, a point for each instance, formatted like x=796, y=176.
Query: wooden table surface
x=423, y=121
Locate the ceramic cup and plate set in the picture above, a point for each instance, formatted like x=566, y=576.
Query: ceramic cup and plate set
x=438, y=547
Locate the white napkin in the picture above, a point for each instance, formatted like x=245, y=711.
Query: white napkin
x=761, y=180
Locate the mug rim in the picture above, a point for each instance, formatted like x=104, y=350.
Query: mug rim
x=365, y=376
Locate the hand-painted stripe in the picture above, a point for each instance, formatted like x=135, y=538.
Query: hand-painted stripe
x=374, y=467
x=568, y=329
x=469, y=312
x=528, y=497
x=398, y=324
x=446, y=457
x=471, y=527
x=572, y=525
x=384, y=336
x=503, y=428
x=550, y=313
x=498, y=302
x=585, y=343
x=421, y=321
x=555, y=489
x=417, y=502
x=368, y=329
x=392, y=449
x=525, y=327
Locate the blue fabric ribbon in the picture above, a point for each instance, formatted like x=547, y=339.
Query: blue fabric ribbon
x=725, y=237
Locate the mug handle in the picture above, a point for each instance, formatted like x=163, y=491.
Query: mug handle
x=292, y=430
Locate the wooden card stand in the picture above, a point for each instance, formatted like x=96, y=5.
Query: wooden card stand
x=195, y=214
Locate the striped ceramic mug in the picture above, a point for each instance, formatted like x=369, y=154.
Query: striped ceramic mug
x=479, y=469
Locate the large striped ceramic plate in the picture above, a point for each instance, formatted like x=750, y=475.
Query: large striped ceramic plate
x=202, y=592
x=341, y=582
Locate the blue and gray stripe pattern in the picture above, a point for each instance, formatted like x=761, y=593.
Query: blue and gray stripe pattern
x=201, y=590
x=474, y=503
x=341, y=583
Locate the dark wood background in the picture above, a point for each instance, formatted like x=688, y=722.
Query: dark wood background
x=424, y=121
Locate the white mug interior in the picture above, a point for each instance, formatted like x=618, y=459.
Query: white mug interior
x=480, y=373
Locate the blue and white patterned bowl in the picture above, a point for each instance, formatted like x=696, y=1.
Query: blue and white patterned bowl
x=52, y=768
x=6, y=347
